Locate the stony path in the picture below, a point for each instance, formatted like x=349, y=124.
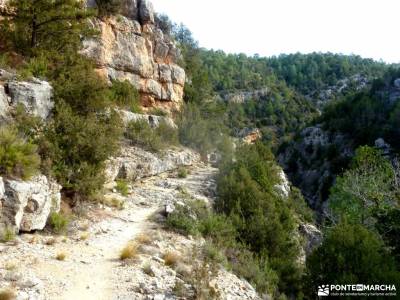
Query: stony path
x=92, y=269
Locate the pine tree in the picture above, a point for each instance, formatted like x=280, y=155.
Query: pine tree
x=34, y=25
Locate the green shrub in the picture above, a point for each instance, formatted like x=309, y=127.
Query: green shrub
x=76, y=84
x=58, y=222
x=167, y=134
x=125, y=95
x=8, y=234
x=182, y=172
x=122, y=187
x=79, y=145
x=264, y=222
x=202, y=128
x=158, y=112
x=27, y=125
x=181, y=221
x=141, y=134
x=256, y=270
x=218, y=228
x=350, y=253
x=214, y=253
x=108, y=7
x=35, y=67
x=18, y=157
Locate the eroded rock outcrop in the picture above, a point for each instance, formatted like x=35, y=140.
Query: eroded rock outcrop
x=34, y=95
x=131, y=47
x=312, y=237
x=26, y=205
x=305, y=163
x=134, y=163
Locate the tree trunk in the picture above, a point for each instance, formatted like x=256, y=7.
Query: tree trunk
x=34, y=32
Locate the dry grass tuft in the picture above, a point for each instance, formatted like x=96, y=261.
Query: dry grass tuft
x=147, y=269
x=143, y=239
x=84, y=236
x=130, y=251
x=7, y=294
x=61, y=256
x=11, y=265
x=171, y=259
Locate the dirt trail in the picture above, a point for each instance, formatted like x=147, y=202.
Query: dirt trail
x=92, y=269
x=98, y=260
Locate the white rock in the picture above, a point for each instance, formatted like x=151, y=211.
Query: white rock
x=135, y=163
x=26, y=205
x=4, y=106
x=283, y=187
x=397, y=83
x=146, y=12
x=35, y=96
x=312, y=236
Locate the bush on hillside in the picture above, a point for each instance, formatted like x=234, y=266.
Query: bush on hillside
x=108, y=7
x=75, y=83
x=350, y=254
x=78, y=147
x=156, y=139
x=264, y=221
x=202, y=128
x=18, y=157
x=125, y=95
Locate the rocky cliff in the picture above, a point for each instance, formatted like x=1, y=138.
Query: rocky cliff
x=131, y=47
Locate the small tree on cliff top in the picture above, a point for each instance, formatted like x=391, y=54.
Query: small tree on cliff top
x=33, y=25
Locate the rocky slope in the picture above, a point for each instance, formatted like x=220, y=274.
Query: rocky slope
x=131, y=47
x=92, y=269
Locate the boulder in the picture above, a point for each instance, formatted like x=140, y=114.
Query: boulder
x=146, y=12
x=4, y=106
x=26, y=205
x=383, y=146
x=134, y=163
x=396, y=83
x=34, y=95
x=312, y=237
x=6, y=75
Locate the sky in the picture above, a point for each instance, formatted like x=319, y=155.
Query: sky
x=369, y=28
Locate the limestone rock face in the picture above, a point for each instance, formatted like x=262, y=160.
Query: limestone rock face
x=4, y=107
x=35, y=96
x=146, y=11
x=312, y=236
x=132, y=48
x=134, y=163
x=283, y=187
x=305, y=164
x=26, y=205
